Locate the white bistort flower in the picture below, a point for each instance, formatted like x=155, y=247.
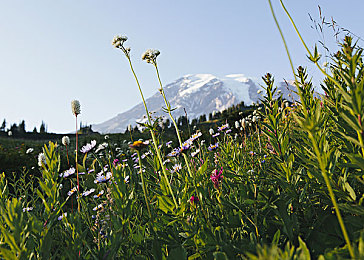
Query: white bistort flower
x=76, y=107
x=65, y=140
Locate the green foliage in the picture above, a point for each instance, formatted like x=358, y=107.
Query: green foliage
x=288, y=184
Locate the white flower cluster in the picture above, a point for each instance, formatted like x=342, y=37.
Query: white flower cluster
x=150, y=55
x=249, y=120
x=118, y=41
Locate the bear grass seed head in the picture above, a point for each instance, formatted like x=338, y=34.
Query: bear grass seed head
x=76, y=107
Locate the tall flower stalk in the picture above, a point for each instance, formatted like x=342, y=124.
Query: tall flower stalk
x=118, y=42
x=76, y=110
x=150, y=56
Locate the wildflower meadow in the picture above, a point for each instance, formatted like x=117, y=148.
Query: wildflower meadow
x=285, y=181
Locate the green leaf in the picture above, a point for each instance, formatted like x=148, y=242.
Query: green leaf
x=178, y=253
x=276, y=237
x=220, y=256
x=165, y=204
x=194, y=256
x=305, y=253
x=7, y=254
x=350, y=190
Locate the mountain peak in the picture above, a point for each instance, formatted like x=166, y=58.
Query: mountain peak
x=197, y=94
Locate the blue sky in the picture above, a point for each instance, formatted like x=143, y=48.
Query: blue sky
x=52, y=52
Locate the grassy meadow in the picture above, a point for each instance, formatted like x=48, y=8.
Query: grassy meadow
x=282, y=179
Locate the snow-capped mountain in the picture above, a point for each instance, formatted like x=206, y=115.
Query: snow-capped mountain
x=198, y=94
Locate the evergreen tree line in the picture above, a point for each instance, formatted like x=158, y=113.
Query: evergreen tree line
x=20, y=129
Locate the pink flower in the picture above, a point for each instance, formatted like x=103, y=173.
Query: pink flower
x=115, y=162
x=216, y=177
x=194, y=199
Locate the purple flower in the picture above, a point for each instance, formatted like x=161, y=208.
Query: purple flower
x=99, y=194
x=186, y=145
x=216, y=177
x=68, y=172
x=62, y=216
x=73, y=190
x=102, y=178
x=193, y=154
x=88, y=192
x=216, y=135
x=213, y=146
x=223, y=127
x=175, y=152
x=195, y=136
x=88, y=147
x=176, y=167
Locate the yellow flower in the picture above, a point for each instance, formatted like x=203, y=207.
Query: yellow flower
x=138, y=145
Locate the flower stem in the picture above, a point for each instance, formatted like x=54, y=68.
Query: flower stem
x=143, y=184
x=283, y=39
x=78, y=182
x=168, y=105
x=153, y=135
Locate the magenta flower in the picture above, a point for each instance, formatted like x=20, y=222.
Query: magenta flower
x=194, y=199
x=115, y=162
x=216, y=177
